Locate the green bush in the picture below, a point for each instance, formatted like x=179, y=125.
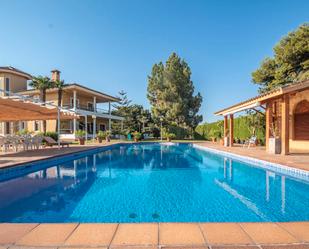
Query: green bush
x=53, y=135
x=80, y=134
x=137, y=135
x=179, y=132
x=242, y=129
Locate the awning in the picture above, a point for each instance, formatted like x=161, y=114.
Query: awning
x=20, y=108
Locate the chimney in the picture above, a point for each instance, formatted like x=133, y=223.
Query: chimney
x=55, y=75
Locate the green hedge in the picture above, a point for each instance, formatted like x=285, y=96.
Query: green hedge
x=242, y=125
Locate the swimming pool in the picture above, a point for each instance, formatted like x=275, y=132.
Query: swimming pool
x=150, y=182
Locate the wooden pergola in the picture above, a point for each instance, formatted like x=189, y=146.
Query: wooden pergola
x=276, y=104
x=15, y=108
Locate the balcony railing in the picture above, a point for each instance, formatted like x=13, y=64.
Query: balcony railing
x=88, y=108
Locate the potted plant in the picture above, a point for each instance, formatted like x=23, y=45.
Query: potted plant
x=101, y=135
x=211, y=134
x=218, y=136
x=137, y=136
x=108, y=136
x=170, y=136
x=81, y=136
x=274, y=145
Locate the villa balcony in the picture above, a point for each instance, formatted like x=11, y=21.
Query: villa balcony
x=88, y=109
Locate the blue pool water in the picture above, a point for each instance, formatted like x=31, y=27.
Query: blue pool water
x=150, y=183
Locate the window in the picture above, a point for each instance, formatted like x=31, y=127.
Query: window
x=72, y=102
x=301, y=121
x=90, y=106
x=7, y=86
x=102, y=127
x=7, y=128
x=22, y=125
x=36, y=125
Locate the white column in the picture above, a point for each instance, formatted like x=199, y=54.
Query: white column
x=74, y=125
x=94, y=104
x=74, y=100
x=110, y=113
x=94, y=127
x=86, y=127
x=74, y=108
x=58, y=126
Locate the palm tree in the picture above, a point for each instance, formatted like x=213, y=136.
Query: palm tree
x=59, y=84
x=42, y=84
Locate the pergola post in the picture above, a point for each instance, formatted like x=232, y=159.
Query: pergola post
x=225, y=128
x=268, y=116
x=58, y=126
x=285, y=125
x=231, y=130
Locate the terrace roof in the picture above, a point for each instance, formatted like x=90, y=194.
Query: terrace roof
x=265, y=97
x=17, y=108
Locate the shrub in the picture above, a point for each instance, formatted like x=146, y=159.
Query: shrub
x=101, y=134
x=80, y=134
x=137, y=135
x=170, y=135
x=22, y=132
x=53, y=135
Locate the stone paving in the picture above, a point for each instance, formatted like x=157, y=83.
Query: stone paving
x=12, y=159
x=155, y=235
x=295, y=160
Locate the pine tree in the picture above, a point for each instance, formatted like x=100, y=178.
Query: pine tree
x=171, y=94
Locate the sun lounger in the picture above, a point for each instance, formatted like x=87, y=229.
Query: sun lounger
x=51, y=142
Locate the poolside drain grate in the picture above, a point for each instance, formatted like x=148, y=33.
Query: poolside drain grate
x=155, y=216
x=132, y=215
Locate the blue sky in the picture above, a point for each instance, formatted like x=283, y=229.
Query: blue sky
x=112, y=45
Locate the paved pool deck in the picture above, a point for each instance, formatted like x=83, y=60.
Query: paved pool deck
x=289, y=235
x=156, y=235
x=295, y=160
x=15, y=158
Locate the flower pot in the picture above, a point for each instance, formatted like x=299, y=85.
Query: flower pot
x=221, y=141
x=226, y=141
x=274, y=145
x=100, y=140
x=135, y=140
x=213, y=139
x=81, y=141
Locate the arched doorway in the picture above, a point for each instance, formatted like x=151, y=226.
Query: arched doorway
x=301, y=121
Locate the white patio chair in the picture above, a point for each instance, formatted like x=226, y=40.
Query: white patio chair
x=4, y=146
x=37, y=141
x=27, y=142
x=251, y=141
